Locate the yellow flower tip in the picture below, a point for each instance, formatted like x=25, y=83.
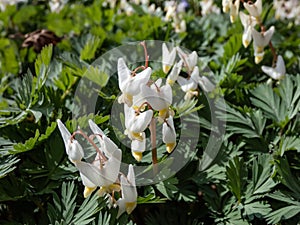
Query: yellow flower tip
x=258, y=59
x=246, y=43
x=137, y=136
x=170, y=147
x=137, y=155
x=108, y=189
x=88, y=191
x=128, y=99
x=170, y=82
x=114, y=187
x=163, y=113
x=166, y=68
x=232, y=18
x=130, y=206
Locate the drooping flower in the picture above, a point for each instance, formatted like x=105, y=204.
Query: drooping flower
x=73, y=148
x=189, y=85
x=226, y=5
x=254, y=9
x=278, y=72
x=169, y=134
x=158, y=96
x=260, y=41
x=248, y=23
x=128, y=201
x=168, y=58
x=234, y=10
x=130, y=84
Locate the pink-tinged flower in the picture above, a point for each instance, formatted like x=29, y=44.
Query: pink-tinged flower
x=73, y=148
x=168, y=58
x=234, y=10
x=128, y=201
x=169, y=134
x=254, y=9
x=278, y=72
x=248, y=23
x=130, y=84
x=260, y=41
x=190, y=85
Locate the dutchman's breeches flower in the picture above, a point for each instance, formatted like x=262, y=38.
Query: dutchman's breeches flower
x=168, y=58
x=128, y=201
x=189, y=60
x=234, y=10
x=169, y=134
x=131, y=83
x=189, y=85
x=260, y=41
x=254, y=9
x=173, y=75
x=248, y=23
x=278, y=72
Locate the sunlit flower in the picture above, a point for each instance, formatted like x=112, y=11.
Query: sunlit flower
x=169, y=134
x=130, y=84
x=278, y=72
x=57, y=5
x=254, y=9
x=248, y=23
x=208, y=7
x=168, y=58
x=234, y=10
x=128, y=201
x=260, y=40
x=189, y=85
x=136, y=123
x=73, y=148
x=158, y=96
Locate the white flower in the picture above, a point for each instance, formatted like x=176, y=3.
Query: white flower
x=73, y=148
x=260, y=40
x=100, y=175
x=234, y=10
x=206, y=84
x=226, y=5
x=190, y=85
x=130, y=85
x=169, y=134
x=278, y=72
x=168, y=58
x=157, y=96
x=138, y=147
x=189, y=60
x=106, y=143
x=172, y=77
x=248, y=23
x=136, y=123
x=57, y=5
x=128, y=201
x=254, y=9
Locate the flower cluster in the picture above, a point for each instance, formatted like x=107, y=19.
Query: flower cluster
x=144, y=98
x=208, y=7
x=174, y=13
x=287, y=9
x=104, y=170
x=261, y=38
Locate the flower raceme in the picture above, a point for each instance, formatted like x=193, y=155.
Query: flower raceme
x=104, y=170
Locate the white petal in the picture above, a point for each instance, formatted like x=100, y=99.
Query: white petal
x=141, y=121
x=280, y=65
x=123, y=73
x=64, y=133
x=139, y=146
x=234, y=10
x=172, y=77
x=134, y=84
x=192, y=60
x=168, y=58
x=131, y=175
x=90, y=174
x=111, y=168
x=75, y=152
x=254, y=9
x=168, y=131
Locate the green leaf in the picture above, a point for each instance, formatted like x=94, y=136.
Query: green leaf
x=236, y=175
x=91, y=45
x=97, y=76
x=289, y=143
x=283, y=213
x=27, y=146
